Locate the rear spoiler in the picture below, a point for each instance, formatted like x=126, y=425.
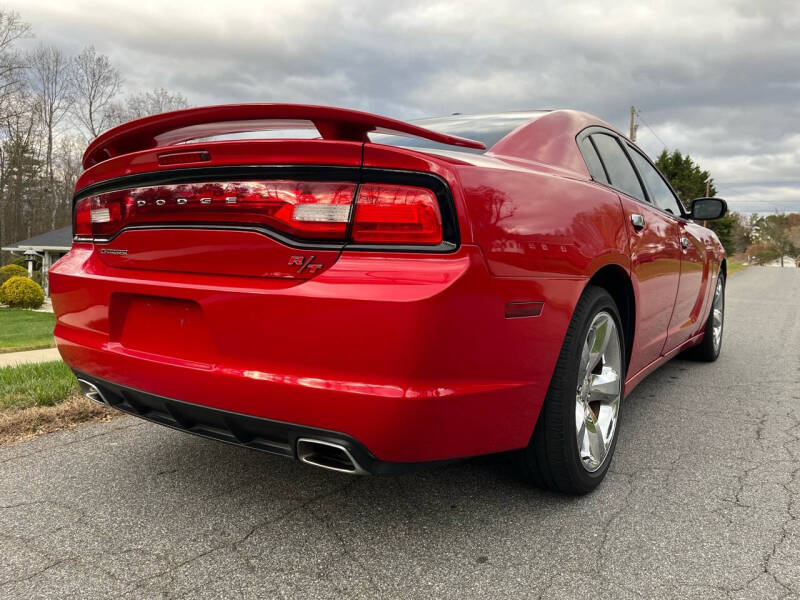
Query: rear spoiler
x=194, y=123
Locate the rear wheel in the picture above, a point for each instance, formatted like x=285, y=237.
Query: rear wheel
x=708, y=350
x=576, y=434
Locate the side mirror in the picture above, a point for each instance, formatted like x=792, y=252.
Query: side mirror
x=707, y=209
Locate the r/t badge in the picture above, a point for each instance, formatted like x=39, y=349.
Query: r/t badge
x=305, y=264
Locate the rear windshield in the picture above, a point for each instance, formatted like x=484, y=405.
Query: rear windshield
x=488, y=129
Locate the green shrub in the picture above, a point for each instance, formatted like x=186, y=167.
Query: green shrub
x=21, y=292
x=10, y=271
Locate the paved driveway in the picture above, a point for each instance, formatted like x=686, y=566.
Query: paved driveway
x=701, y=502
x=13, y=359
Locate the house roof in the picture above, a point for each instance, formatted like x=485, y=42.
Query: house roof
x=59, y=239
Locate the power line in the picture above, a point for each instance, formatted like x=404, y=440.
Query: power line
x=646, y=124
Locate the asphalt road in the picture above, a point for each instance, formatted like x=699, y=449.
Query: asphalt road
x=702, y=501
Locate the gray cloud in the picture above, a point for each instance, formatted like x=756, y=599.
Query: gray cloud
x=720, y=80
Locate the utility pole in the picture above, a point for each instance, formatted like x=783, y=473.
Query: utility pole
x=634, y=126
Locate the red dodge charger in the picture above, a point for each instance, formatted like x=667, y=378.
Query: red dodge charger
x=368, y=295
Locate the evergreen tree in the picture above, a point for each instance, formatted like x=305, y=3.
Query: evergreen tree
x=690, y=181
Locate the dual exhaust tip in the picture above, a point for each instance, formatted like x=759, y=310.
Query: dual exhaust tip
x=318, y=453
x=92, y=392
x=328, y=455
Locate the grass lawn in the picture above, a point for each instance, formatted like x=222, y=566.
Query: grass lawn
x=736, y=267
x=40, y=398
x=42, y=384
x=25, y=330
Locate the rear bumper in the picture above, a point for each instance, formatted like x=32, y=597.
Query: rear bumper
x=257, y=433
x=409, y=359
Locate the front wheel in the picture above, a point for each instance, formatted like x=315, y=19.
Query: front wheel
x=575, y=436
x=708, y=350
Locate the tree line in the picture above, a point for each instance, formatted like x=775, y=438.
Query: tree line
x=759, y=239
x=51, y=106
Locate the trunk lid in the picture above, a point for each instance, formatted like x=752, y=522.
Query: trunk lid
x=153, y=198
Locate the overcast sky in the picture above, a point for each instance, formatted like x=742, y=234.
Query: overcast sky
x=719, y=80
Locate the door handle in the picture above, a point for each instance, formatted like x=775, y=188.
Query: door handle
x=684, y=243
x=637, y=221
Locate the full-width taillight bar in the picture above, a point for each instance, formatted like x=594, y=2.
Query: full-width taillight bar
x=384, y=214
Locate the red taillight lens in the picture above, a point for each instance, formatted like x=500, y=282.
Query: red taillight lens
x=396, y=214
x=302, y=209
x=81, y=221
x=309, y=210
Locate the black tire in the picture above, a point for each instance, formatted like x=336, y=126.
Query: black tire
x=706, y=351
x=551, y=459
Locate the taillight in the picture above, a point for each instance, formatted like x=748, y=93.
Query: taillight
x=385, y=214
x=82, y=223
x=396, y=214
x=301, y=209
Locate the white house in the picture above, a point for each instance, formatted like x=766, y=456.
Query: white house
x=48, y=246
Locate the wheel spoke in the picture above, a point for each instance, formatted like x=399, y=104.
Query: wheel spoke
x=604, y=331
x=606, y=419
x=583, y=440
x=584, y=447
x=580, y=417
x=583, y=366
x=605, y=386
x=597, y=445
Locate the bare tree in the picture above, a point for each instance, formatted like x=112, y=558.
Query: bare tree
x=67, y=158
x=49, y=107
x=20, y=179
x=154, y=102
x=95, y=84
x=50, y=76
x=12, y=28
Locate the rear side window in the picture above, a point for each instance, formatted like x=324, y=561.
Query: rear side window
x=660, y=194
x=596, y=169
x=619, y=168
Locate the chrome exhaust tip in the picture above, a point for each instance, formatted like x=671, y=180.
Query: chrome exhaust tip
x=328, y=455
x=92, y=392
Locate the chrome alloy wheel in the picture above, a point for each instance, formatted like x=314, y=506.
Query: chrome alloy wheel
x=599, y=391
x=718, y=315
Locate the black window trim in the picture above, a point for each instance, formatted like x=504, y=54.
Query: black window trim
x=630, y=146
x=593, y=130
x=624, y=142
x=588, y=137
x=600, y=158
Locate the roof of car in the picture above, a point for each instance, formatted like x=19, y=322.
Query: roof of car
x=543, y=136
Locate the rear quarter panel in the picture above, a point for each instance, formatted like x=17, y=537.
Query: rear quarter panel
x=542, y=228
x=534, y=224
x=542, y=235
